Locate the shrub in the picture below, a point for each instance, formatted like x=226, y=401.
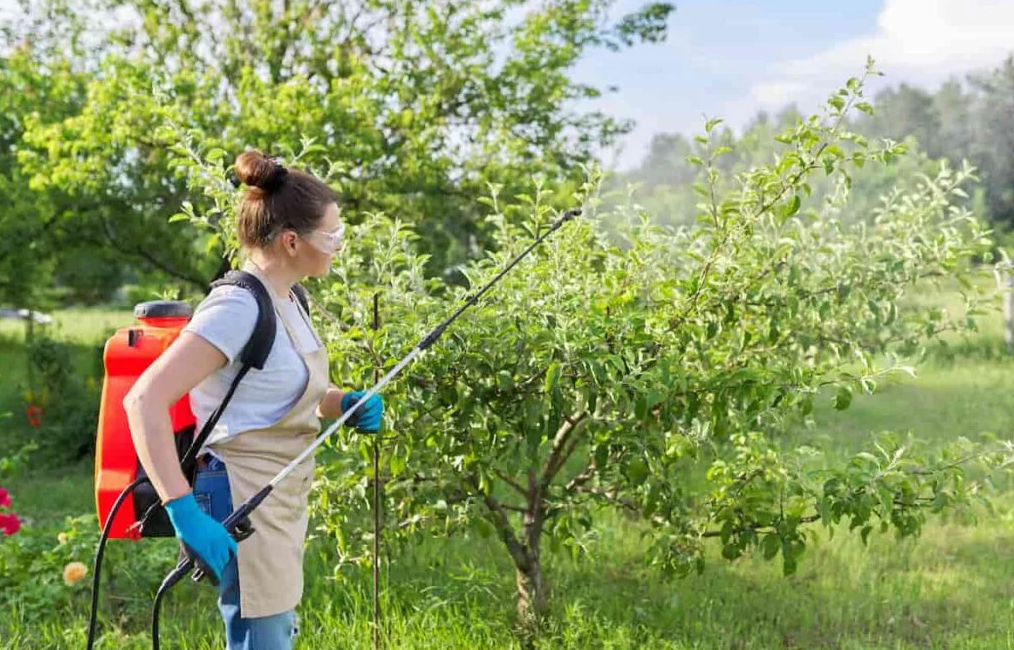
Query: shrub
x=62, y=404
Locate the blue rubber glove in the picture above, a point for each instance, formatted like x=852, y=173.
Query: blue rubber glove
x=367, y=417
x=204, y=536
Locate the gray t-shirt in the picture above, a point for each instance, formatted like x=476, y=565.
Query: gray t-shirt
x=226, y=319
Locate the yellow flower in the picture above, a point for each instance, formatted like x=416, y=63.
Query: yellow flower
x=62, y=538
x=73, y=572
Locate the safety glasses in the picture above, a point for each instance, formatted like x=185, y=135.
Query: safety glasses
x=332, y=241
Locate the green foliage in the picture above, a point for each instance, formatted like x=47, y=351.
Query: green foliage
x=32, y=566
x=414, y=110
x=67, y=400
x=604, y=374
x=962, y=120
x=959, y=122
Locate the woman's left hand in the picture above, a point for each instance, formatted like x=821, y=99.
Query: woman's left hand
x=368, y=416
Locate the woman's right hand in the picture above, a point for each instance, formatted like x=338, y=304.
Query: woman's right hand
x=204, y=536
x=367, y=417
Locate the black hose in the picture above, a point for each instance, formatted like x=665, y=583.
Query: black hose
x=187, y=464
x=166, y=584
x=171, y=579
x=100, y=551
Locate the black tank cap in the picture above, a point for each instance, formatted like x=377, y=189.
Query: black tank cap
x=163, y=309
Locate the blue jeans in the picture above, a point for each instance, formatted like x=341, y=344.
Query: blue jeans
x=276, y=632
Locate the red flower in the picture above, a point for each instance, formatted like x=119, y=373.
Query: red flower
x=5, y=499
x=34, y=413
x=10, y=524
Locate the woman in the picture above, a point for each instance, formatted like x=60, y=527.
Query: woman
x=290, y=228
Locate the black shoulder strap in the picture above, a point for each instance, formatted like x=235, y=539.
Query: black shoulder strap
x=301, y=296
x=254, y=355
x=255, y=352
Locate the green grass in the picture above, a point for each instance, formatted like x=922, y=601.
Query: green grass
x=90, y=325
x=948, y=589
x=951, y=588
x=940, y=404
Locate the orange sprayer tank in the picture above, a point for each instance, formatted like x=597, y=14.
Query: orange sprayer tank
x=127, y=354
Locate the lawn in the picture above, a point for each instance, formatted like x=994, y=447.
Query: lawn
x=951, y=588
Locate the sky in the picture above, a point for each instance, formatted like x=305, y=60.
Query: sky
x=733, y=58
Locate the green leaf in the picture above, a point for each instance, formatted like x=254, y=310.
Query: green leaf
x=842, y=398
x=792, y=207
x=552, y=377
x=886, y=499
x=731, y=551
x=771, y=544
x=397, y=464
x=636, y=470
x=483, y=527
x=602, y=455
x=641, y=407
x=824, y=510
x=867, y=456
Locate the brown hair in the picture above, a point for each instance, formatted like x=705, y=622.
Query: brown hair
x=277, y=199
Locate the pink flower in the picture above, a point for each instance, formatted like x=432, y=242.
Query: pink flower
x=10, y=524
x=5, y=499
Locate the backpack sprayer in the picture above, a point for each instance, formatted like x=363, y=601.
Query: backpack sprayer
x=237, y=523
x=120, y=480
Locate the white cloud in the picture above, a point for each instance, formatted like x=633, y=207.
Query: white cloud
x=920, y=41
x=777, y=93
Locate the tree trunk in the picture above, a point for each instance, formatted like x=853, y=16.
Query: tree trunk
x=532, y=590
x=532, y=599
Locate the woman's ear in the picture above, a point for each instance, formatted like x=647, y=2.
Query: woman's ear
x=289, y=242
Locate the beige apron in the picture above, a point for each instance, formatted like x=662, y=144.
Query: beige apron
x=271, y=560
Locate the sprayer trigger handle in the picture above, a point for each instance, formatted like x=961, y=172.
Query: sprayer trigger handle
x=200, y=568
x=239, y=532
x=242, y=529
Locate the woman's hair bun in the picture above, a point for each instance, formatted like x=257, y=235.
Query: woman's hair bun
x=257, y=170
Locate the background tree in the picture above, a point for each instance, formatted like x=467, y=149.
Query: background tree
x=962, y=120
x=416, y=107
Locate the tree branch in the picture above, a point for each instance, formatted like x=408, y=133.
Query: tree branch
x=498, y=517
x=809, y=519
x=151, y=259
x=586, y=475
x=560, y=450
x=612, y=496
x=764, y=207
x=511, y=482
